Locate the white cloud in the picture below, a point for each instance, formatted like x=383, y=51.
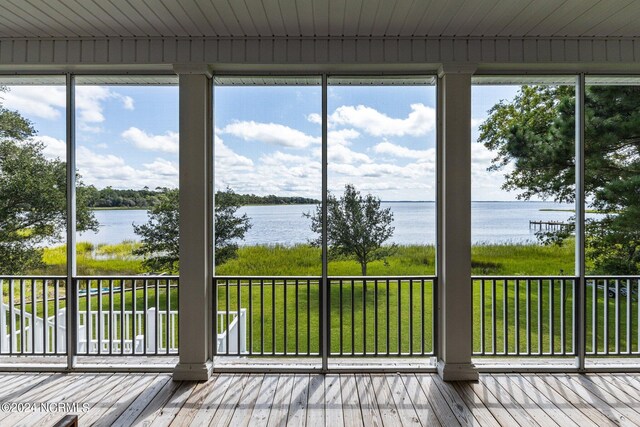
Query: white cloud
x=227, y=158
x=279, y=158
x=163, y=167
x=46, y=102
x=85, y=128
x=475, y=122
x=420, y=121
x=293, y=180
x=395, y=150
x=289, y=174
x=89, y=103
x=272, y=173
x=168, y=143
x=292, y=170
x=376, y=170
x=231, y=169
x=415, y=181
x=127, y=102
x=485, y=184
x=271, y=133
x=286, y=173
x=315, y=118
x=104, y=170
x=481, y=155
x=341, y=154
x=49, y=102
x=342, y=136
x=54, y=148
x=283, y=173
x=475, y=127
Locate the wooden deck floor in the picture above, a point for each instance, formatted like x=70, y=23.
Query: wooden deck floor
x=332, y=400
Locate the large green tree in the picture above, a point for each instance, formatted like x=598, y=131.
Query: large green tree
x=32, y=196
x=357, y=227
x=535, y=133
x=160, y=235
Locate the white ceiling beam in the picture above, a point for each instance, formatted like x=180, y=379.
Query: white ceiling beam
x=292, y=52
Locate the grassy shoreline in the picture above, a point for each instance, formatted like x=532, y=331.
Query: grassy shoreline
x=305, y=260
x=119, y=208
x=591, y=211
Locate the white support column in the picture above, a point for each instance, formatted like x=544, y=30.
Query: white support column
x=580, y=258
x=196, y=214
x=72, y=303
x=455, y=290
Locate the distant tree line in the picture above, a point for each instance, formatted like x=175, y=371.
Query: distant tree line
x=111, y=198
x=146, y=198
x=252, y=199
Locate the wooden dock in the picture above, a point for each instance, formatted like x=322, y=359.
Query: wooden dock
x=547, y=225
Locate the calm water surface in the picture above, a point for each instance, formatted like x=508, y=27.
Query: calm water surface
x=414, y=222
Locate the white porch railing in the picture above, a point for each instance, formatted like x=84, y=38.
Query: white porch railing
x=98, y=332
x=105, y=333
x=112, y=332
x=233, y=339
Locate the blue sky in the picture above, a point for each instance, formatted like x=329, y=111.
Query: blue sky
x=382, y=139
x=127, y=136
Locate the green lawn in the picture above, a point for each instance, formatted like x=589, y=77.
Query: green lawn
x=273, y=315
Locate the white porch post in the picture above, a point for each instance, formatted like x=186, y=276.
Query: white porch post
x=72, y=268
x=455, y=290
x=194, y=327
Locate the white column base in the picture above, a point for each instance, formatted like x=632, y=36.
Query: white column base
x=457, y=371
x=192, y=371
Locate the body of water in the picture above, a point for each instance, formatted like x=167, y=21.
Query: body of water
x=414, y=222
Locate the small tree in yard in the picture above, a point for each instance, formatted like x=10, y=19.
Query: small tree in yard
x=160, y=235
x=356, y=227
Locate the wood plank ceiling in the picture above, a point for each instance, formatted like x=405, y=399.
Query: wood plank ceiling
x=319, y=18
